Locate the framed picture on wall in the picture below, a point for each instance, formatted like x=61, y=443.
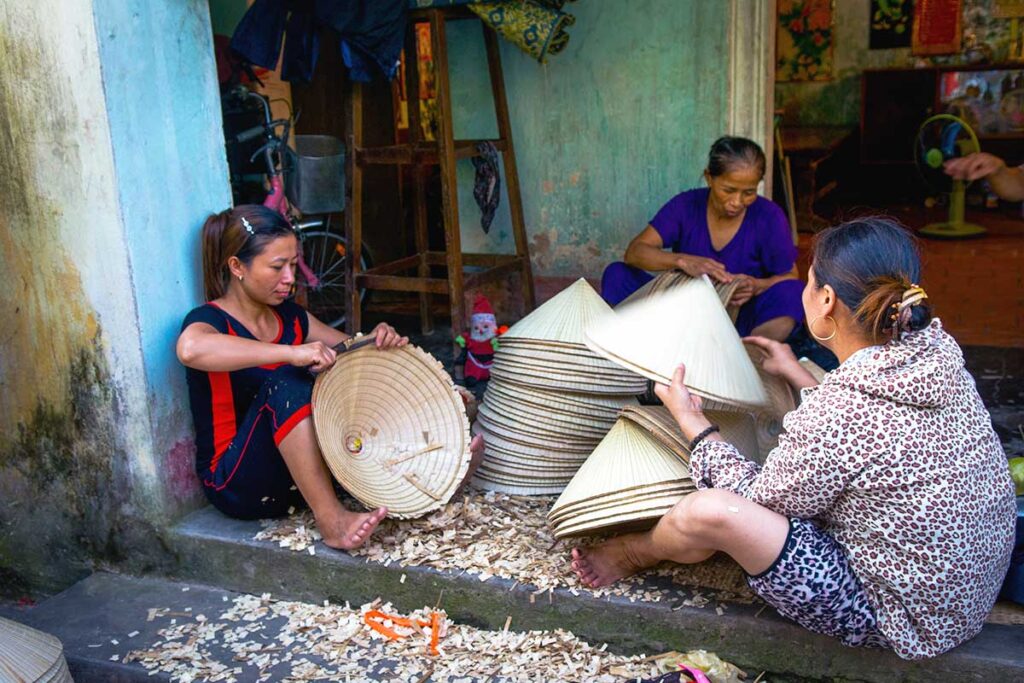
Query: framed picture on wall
x=891, y=22
x=938, y=27
x=804, y=40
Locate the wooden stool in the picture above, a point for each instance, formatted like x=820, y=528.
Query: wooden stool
x=444, y=152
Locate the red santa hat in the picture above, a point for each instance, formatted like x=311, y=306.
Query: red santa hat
x=482, y=309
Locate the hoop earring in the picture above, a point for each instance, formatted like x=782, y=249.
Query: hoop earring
x=835, y=328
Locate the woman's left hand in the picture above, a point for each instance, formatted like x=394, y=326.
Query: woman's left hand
x=387, y=337
x=745, y=291
x=684, y=406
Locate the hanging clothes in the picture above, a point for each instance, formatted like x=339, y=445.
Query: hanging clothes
x=487, y=183
x=372, y=34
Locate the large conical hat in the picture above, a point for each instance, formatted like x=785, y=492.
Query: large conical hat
x=616, y=500
x=684, y=325
x=672, y=278
x=626, y=459
x=392, y=429
x=736, y=428
x=30, y=655
x=563, y=317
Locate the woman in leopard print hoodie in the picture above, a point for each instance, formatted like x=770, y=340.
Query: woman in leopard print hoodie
x=885, y=515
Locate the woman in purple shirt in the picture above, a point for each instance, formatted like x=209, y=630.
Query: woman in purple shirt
x=726, y=232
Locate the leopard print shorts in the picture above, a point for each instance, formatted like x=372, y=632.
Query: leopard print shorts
x=811, y=583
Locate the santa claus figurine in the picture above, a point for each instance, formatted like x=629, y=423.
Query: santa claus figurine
x=482, y=342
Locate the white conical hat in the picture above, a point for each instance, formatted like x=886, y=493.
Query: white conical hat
x=30, y=655
x=583, y=360
x=517, y=489
x=539, y=428
x=563, y=317
x=627, y=458
x=514, y=433
x=392, y=429
x=685, y=325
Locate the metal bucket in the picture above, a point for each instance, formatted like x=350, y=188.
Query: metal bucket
x=316, y=179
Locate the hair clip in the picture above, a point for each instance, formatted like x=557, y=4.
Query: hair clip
x=248, y=226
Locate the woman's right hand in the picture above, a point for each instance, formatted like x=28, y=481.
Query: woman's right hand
x=316, y=356
x=974, y=166
x=695, y=266
x=778, y=360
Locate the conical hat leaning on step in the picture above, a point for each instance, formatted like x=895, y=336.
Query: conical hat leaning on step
x=626, y=459
x=684, y=325
x=392, y=429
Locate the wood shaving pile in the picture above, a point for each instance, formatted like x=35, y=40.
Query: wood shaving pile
x=487, y=534
x=264, y=638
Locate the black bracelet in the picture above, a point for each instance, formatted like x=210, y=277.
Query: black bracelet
x=703, y=435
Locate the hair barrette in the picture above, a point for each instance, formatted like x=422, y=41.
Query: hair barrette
x=248, y=226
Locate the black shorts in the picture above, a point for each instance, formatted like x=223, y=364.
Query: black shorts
x=251, y=480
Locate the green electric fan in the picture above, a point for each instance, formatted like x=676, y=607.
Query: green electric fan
x=939, y=139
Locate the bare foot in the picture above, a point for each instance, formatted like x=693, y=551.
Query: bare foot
x=476, y=456
x=352, y=528
x=606, y=563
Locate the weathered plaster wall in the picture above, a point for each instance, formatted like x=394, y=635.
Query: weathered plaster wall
x=165, y=124
x=605, y=133
x=111, y=132
x=837, y=102
x=71, y=365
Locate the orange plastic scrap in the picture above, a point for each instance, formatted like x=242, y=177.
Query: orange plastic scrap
x=375, y=618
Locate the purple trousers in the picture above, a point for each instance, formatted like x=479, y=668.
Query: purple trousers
x=781, y=299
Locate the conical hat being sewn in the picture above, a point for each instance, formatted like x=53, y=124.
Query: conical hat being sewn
x=30, y=655
x=392, y=429
x=563, y=317
x=684, y=325
x=626, y=459
x=671, y=278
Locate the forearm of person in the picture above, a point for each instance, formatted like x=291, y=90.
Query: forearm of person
x=213, y=352
x=647, y=257
x=1008, y=183
x=715, y=463
x=765, y=283
x=799, y=378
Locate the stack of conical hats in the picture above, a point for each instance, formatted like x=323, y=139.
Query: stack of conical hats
x=629, y=481
x=550, y=399
x=673, y=278
x=685, y=324
x=30, y=655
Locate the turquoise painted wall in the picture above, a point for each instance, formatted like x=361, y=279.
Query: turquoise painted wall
x=605, y=133
x=165, y=126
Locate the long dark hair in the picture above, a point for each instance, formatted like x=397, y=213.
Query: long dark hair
x=728, y=152
x=872, y=263
x=244, y=232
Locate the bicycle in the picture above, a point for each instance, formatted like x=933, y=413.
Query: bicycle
x=322, y=253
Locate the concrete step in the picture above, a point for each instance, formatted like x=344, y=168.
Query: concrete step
x=214, y=549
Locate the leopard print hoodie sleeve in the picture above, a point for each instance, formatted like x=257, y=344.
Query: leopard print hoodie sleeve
x=894, y=455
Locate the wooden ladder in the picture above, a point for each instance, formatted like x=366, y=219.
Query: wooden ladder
x=444, y=151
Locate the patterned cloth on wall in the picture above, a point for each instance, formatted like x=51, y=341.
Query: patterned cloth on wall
x=537, y=27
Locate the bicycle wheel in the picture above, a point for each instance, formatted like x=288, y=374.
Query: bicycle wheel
x=325, y=254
